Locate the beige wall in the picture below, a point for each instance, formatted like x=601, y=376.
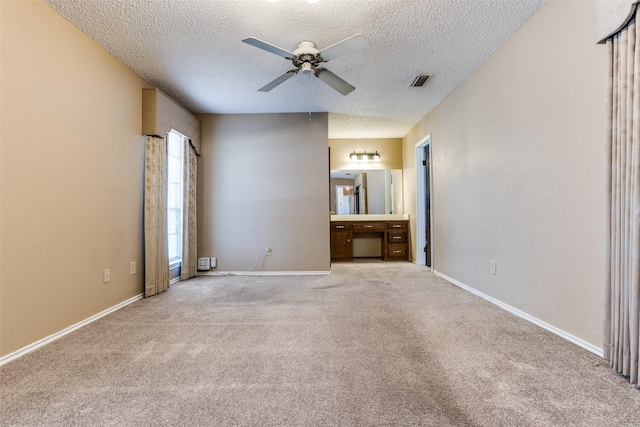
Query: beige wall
x=71, y=176
x=519, y=173
x=263, y=180
x=390, y=150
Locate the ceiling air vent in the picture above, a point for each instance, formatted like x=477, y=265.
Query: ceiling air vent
x=419, y=81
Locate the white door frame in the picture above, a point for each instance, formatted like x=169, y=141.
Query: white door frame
x=421, y=259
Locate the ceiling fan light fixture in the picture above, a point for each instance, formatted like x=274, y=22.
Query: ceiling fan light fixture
x=306, y=68
x=420, y=80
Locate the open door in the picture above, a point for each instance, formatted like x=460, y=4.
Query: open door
x=426, y=164
x=424, y=220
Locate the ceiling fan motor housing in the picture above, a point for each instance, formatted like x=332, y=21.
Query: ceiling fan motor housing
x=306, y=57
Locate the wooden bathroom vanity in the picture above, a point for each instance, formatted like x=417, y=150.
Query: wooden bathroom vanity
x=360, y=236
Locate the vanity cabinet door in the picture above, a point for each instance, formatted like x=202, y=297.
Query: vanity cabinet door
x=341, y=244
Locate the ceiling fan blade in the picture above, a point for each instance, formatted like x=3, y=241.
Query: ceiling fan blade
x=334, y=81
x=268, y=47
x=346, y=47
x=283, y=78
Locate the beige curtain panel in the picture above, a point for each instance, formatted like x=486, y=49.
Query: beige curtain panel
x=622, y=336
x=189, y=227
x=156, y=256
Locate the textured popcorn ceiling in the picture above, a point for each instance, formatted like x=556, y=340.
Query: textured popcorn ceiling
x=192, y=50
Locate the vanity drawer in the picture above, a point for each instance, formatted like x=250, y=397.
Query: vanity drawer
x=397, y=250
x=400, y=225
x=340, y=226
x=364, y=226
x=396, y=237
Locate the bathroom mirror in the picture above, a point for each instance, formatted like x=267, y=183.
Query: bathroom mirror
x=356, y=192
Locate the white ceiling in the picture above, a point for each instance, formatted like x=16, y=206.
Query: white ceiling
x=192, y=51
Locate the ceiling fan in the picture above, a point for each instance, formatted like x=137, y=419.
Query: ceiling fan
x=308, y=59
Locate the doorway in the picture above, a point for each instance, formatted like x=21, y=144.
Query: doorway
x=344, y=200
x=424, y=186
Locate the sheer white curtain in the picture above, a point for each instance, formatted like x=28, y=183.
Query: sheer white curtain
x=189, y=227
x=156, y=257
x=622, y=335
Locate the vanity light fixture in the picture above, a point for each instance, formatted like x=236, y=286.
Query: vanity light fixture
x=364, y=156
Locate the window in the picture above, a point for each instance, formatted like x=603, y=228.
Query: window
x=175, y=145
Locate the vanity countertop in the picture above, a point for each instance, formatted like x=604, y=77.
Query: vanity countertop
x=371, y=217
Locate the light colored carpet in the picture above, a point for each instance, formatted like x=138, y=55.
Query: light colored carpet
x=373, y=344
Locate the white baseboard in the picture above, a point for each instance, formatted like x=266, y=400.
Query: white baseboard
x=31, y=347
x=577, y=341
x=262, y=273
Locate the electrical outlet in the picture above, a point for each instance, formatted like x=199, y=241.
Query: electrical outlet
x=493, y=267
x=214, y=262
x=267, y=251
x=107, y=275
x=133, y=267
